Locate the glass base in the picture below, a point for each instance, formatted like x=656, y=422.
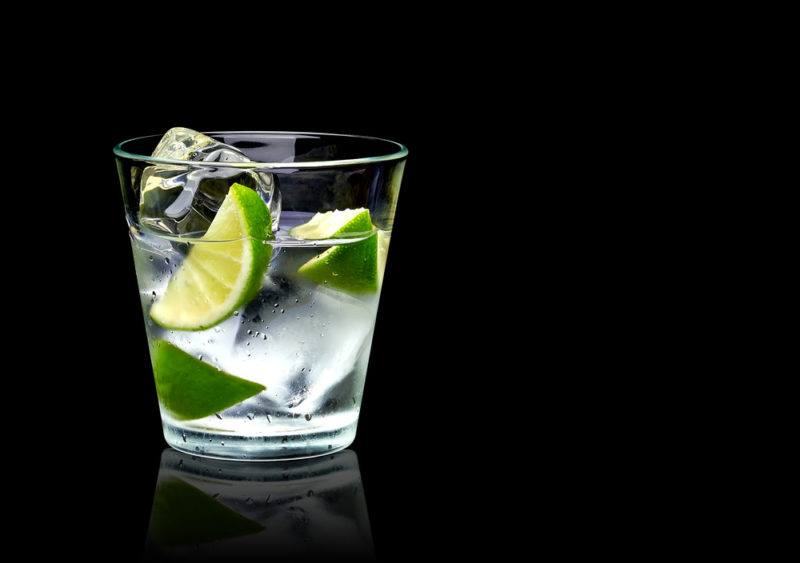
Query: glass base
x=259, y=448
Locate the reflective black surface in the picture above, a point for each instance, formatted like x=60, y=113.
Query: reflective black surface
x=211, y=510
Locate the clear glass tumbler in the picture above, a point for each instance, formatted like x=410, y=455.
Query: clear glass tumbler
x=260, y=259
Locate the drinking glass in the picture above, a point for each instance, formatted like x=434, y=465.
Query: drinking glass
x=260, y=259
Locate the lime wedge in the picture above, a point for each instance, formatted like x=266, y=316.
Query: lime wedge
x=334, y=223
x=185, y=515
x=351, y=267
x=190, y=389
x=216, y=278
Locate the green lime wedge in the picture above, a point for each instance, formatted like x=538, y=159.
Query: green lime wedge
x=331, y=224
x=351, y=267
x=185, y=515
x=224, y=268
x=189, y=388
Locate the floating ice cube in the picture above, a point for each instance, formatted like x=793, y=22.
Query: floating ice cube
x=183, y=200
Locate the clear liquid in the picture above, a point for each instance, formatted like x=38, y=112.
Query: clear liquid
x=308, y=344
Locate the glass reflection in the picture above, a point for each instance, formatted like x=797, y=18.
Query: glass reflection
x=205, y=509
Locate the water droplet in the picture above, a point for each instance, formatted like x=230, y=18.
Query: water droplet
x=269, y=419
x=150, y=258
x=283, y=311
x=236, y=313
x=217, y=415
x=250, y=501
x=275, y=305
x=221, y=444
x=310, y=493
x=154, y=294
x=330, y=447
x=302, y=370
x=183, y=435
x=297, y=300
x=308, y=417
x=200, y=357
x=250, y=415
x=284, y=440
x=264, y=336
x=166, y=260
x=249, y=332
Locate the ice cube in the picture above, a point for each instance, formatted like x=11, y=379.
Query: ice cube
x=182, y=200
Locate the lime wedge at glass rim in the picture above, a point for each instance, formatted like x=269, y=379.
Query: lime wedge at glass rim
x=351, y=267
x=189, y=388
x=224, y=268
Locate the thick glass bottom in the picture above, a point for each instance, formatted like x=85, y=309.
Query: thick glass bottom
x=274, y=447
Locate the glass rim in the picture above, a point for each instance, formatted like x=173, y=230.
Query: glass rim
x=399, y=154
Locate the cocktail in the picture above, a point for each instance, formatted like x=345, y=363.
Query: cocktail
x=260, y=259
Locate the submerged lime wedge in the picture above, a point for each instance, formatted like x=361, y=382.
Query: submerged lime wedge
x=224, y=268
x=189, y=388
x=185, y=515
x=351, y=267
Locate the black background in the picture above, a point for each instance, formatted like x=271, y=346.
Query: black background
x=534, y=348
x=513, y=356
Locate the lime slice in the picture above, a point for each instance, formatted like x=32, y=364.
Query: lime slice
x=334, y=223
x=191, y=389
x=185, y=515
x=216, y=278
x=351, y=267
